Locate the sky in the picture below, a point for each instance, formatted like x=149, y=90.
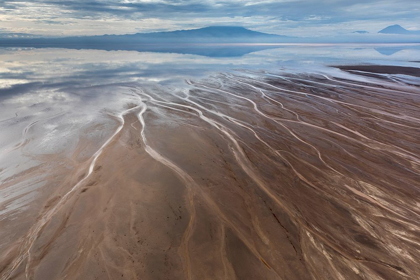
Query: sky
x=286, y=17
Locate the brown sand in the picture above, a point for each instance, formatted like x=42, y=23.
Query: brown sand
x=252, y=177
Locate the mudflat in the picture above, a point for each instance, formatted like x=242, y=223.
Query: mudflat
x=244, y=175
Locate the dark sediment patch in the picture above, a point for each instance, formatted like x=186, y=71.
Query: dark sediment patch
x=383, y=69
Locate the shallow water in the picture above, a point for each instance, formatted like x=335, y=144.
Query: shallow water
x=304, y=170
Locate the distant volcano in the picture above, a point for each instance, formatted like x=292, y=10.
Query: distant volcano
x=216, y=32
x=211, y=34
x=398, y=29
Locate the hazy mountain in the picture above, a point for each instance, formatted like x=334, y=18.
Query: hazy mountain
x=208, y=41
x=213, y=34
x=361, y=32
x=398, y=29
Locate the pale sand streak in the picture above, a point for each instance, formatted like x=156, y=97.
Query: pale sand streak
x=402, y=116
x=241, y=159
x=46, y=217
x=407, y=154
x=190, y=183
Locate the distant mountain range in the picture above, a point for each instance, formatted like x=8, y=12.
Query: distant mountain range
x=212, y=34
x=398, y=29
x=208, y=41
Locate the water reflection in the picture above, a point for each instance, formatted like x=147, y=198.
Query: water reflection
x=67, y=67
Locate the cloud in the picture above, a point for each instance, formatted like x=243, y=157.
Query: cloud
x=303, y=17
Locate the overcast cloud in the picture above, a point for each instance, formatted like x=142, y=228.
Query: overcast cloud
x=288, y=17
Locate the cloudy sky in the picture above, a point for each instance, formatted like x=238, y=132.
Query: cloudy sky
x=288, y=17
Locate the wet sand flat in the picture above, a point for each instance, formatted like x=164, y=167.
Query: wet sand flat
x=242, y=175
